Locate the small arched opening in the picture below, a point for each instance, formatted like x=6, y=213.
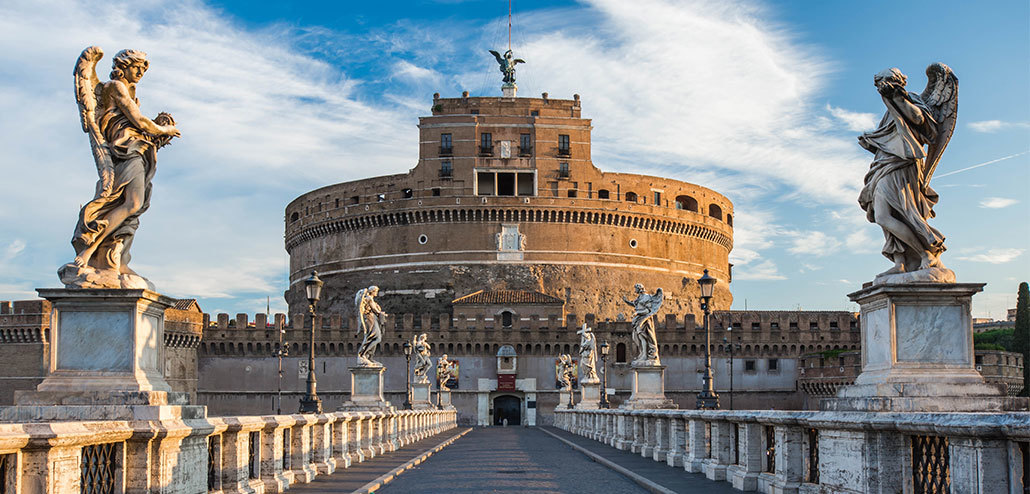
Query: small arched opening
x=506, y=319
x=631, y=197
x=686, y=203
x=603, y=194
x=715, y=211
x=620, y=352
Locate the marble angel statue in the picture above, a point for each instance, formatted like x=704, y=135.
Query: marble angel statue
x=565, y=371
x=645, y=307
x=422, y=362
x=907, y=146
x=443, y=372
x=124, y=145
x=587, y=355
x=370, y=325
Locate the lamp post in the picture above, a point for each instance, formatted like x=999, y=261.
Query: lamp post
x=707, y=399
x=310, y=403
x=604, y=376
x=730, y=346
x=407, y=375
x=282, y=351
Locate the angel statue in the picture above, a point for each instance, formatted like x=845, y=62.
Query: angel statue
x=897, y=194
x=370, y=325
x=124, y=145
x=565, y=371
x=422, y=362
x=507, y=65
x=645, y=307
x=587, y=354
x=443, y=372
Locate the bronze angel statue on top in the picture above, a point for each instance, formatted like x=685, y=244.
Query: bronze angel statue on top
x=897, y=195
x=124, y=144
x=507, y=65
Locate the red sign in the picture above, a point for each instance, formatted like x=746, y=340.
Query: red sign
x=505, y=382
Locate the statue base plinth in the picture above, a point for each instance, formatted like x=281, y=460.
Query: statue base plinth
x=564, y=399
x=917, y=352
x=366, y=389
x=648, y=389
x=420, y=393
x=106, y=360
x=443, y=399
x=509, y=90
x=589, y=396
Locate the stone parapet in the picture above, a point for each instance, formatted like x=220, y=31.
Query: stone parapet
x=819, y=452
x=252, y=454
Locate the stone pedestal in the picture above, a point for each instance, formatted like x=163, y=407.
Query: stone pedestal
x=589, y=396
x=366, y=389
x=420, y=396
x=648, y=388
x=106, y=360
x=443, y=399
x=564, y=399
x=917, y=353
x=509, y=90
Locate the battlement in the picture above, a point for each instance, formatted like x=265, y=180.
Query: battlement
x=544, y=106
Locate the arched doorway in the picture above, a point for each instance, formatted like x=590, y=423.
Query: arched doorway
x=507, y=407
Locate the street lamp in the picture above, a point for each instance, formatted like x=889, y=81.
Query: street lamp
x=407, y=375
x=310, y=403
x=707, y=399
x=282, y=351
x=730, y=346
x=604, y=376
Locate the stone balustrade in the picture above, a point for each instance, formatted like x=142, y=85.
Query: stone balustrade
x=252, y=454
x=822, y=452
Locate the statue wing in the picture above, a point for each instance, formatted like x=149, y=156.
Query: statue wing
x=87, y=92
x=498, y=56
x=941, y=96
x=359, y=299
x=656, y=301
x=517, y=61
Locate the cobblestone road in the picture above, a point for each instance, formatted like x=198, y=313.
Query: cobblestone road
x=510, y=459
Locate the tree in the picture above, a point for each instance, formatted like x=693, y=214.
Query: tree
x=1021, y=336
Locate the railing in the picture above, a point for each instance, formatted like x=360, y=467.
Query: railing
x=819, y=452
x=218, y=454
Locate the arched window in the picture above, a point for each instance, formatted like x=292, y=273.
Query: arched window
x=729, y=219
x=686, y=202
x=294, y=217
x=506, y=319
x=602, y=194
x=620, y=352
x=631, y=197
x=715, y=211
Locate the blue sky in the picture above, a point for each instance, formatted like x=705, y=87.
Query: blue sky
x=759, y=100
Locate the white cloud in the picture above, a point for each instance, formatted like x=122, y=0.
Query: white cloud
x=997, y=202
x=813, y=243
x=763, y=271
x=855, y=121
x=989, y=126
x=994, y=256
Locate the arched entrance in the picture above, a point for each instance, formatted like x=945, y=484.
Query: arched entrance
x=507, y=407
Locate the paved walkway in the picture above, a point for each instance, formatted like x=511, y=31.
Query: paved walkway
x=517, y=459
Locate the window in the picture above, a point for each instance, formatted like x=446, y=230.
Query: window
x=506, y=319
x=756, y=326
x=979, y=360
x=631, y=197
x=729, y=219
x=563, y=170
x=446, y=144
x=774, y=364
x=715, y=211
x=563, y=145
x=814, y=326
x=380, y=197
x=436, y=192
x=525, y=145
x=445, y=169
x=657, y=198
x=486, y=143
x=793, y=325
x=294, y=217
x=774, y=326
x=505, y=183
x=534, y=113
x=736, y=325
x=407, y=193
x=337, y=202
x=686, y=202
x=474, y=112
x=602, y=194
x=485, y=183
x=749, y=365
x=833, y=325
x=620, y=352
x=355, y=199
x=572, y=192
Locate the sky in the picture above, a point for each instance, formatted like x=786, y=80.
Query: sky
x=759, y=100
